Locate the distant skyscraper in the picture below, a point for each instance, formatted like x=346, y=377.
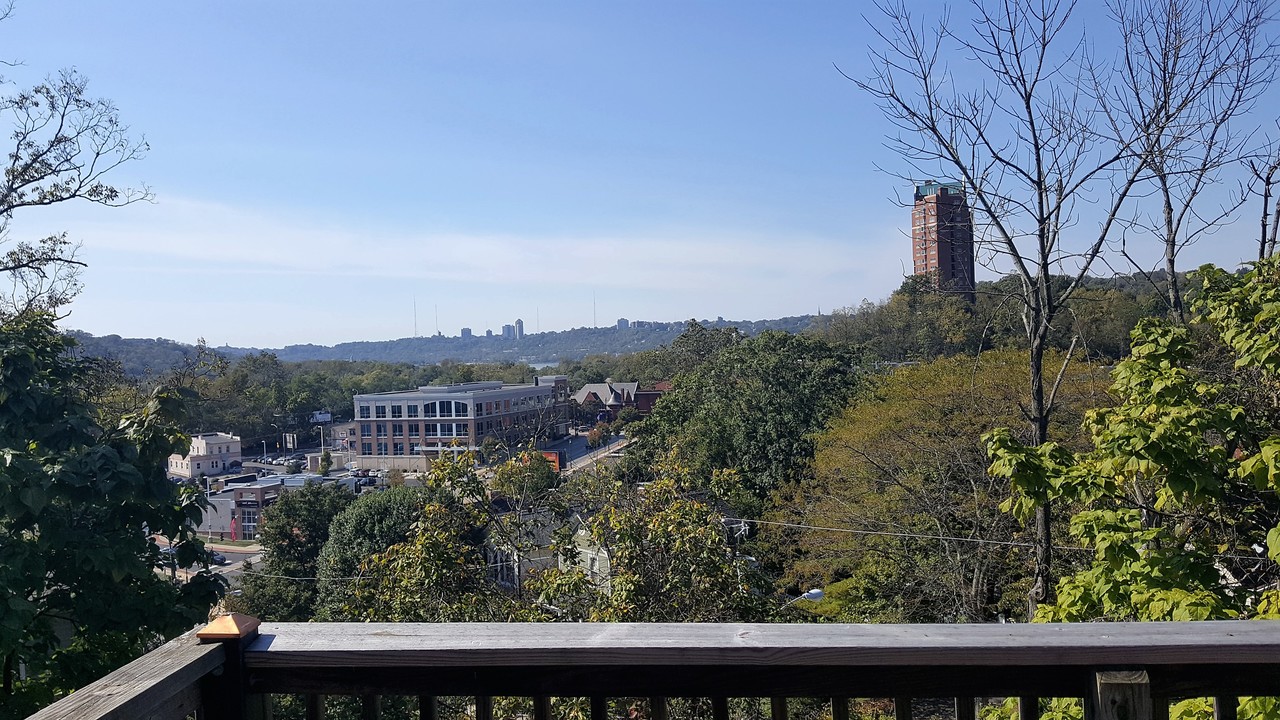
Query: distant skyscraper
x=519, y=329
x=466, y=333
x=488, y=333
x=623, y=323
x=509, y=332
x=942, y=236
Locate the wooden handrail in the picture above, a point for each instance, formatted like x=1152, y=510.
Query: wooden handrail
x=164, y=683
x=1141, y=664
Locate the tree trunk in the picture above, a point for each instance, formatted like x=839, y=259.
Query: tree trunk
x=1275, y=225
x=1171, y=261
x=1266, y=217
x=1042, y=582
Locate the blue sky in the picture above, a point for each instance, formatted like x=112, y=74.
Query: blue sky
x=319, y=167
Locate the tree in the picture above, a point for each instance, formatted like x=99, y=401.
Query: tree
x=326, y=463
x=599, y=435
x=914, y=324
x=440, y=572
x=752, y=409
x=1265, y=169
x=293, y=532
x=78, y=505
x=1020, y=128
x=914, y=527
x=1191, y=70
x=697, y=345
x=373, y=523
x=670, y=557
x=1178, y=491
x=64, y=143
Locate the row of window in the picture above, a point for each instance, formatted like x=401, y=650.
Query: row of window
x=448, y=408
x=441, y=408
x=414, y=429
x=394, y=448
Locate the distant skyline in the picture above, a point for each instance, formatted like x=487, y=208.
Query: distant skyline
x=317, y=166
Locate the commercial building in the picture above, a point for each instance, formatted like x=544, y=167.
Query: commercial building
x=406, y=429
x=942, y=236
x=210, y=454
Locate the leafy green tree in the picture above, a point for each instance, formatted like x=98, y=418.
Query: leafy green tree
x=373, y=523
x=915, y=323
x=626, y=416
x=1179, y=486
x=670, y=558
x=439, y=573
x=292, y=532
x=326, y=463
x=79, y=501
x=697, y=345
x=753, y=408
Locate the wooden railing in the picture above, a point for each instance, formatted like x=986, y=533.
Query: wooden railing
x=1122, y=671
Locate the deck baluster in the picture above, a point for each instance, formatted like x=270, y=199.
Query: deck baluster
x=428, y=707
x=1224, y=707
x=902, y=708
x=315, y=707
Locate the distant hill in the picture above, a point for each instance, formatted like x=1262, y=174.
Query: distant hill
x=141, y=357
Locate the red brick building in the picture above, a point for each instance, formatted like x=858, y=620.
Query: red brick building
x=942, y=237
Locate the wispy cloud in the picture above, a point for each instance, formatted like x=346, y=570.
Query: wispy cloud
x=221, y=253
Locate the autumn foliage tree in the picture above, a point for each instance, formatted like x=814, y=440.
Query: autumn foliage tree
x=900, y=521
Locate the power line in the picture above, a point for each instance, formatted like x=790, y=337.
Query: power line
x=357, y=577
x=921, y=536
x=915, y=536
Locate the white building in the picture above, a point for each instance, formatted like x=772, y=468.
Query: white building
x=403, y=429
x=210, y=454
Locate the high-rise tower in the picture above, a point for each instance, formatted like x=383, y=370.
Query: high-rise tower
x=942, y=236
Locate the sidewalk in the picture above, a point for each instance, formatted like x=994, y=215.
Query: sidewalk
x=252, y=549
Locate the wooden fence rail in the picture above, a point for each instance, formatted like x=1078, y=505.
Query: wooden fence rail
x=1129, y=671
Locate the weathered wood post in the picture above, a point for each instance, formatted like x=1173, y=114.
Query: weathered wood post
x=1119, y=695
x=230, y=698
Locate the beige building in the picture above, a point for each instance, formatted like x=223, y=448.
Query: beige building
x=405, y=429
x=210, y=454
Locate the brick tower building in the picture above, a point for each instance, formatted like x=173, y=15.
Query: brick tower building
x=942, y=236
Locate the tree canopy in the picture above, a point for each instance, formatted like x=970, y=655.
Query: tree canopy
x=79, y=503
x=903, y=521
x=1178, y=489
x=751, y=408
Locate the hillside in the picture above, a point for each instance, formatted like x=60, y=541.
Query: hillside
x=142, y=356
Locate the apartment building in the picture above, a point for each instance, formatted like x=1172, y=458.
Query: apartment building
x=942, y=236
x=405, y=429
